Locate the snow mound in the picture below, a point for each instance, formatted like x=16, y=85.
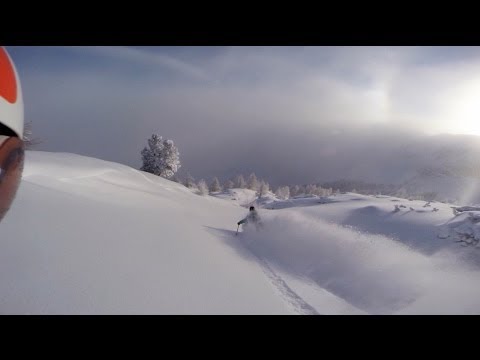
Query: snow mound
x=361, y=272
x=242, y=197
x=464, y=228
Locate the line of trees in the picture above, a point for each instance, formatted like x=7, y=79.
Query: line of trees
x=261, y=186
x=161, y=157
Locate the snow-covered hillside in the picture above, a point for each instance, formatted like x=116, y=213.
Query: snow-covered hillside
x=88, y=236
x=446, y=165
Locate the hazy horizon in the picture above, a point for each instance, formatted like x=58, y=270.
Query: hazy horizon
x=289, y=114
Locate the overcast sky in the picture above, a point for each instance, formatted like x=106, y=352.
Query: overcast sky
x=278, y=111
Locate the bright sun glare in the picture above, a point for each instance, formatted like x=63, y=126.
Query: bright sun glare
x=464, y=110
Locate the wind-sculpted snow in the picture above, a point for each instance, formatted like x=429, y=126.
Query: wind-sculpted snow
x=372, y=273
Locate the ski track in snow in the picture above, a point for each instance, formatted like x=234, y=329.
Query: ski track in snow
x=298, y=304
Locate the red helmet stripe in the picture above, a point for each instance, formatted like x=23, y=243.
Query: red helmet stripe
x=8, y=84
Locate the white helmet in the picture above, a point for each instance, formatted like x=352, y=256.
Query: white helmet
x=11, y=99
x=12, y=147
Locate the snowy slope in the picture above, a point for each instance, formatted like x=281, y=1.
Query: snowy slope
x=369, y=258
x=88, y=236
x=242, y=197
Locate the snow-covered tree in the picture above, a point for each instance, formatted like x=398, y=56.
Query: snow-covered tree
x=259, y=185
x=228, y=185
x=264, y=188
x=240, y=182
x=320, y=191
x=282, y=192
x=202, y=187
x=215, y=185
x=294, y=190
x=189, y=181
x=278, y=192
x=171, y=159
x=150, y=154
x=310, y=189
x=253, y=183
x=161, y=157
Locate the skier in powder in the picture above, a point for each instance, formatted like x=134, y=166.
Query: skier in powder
x=12, y=148
x=251, y=218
